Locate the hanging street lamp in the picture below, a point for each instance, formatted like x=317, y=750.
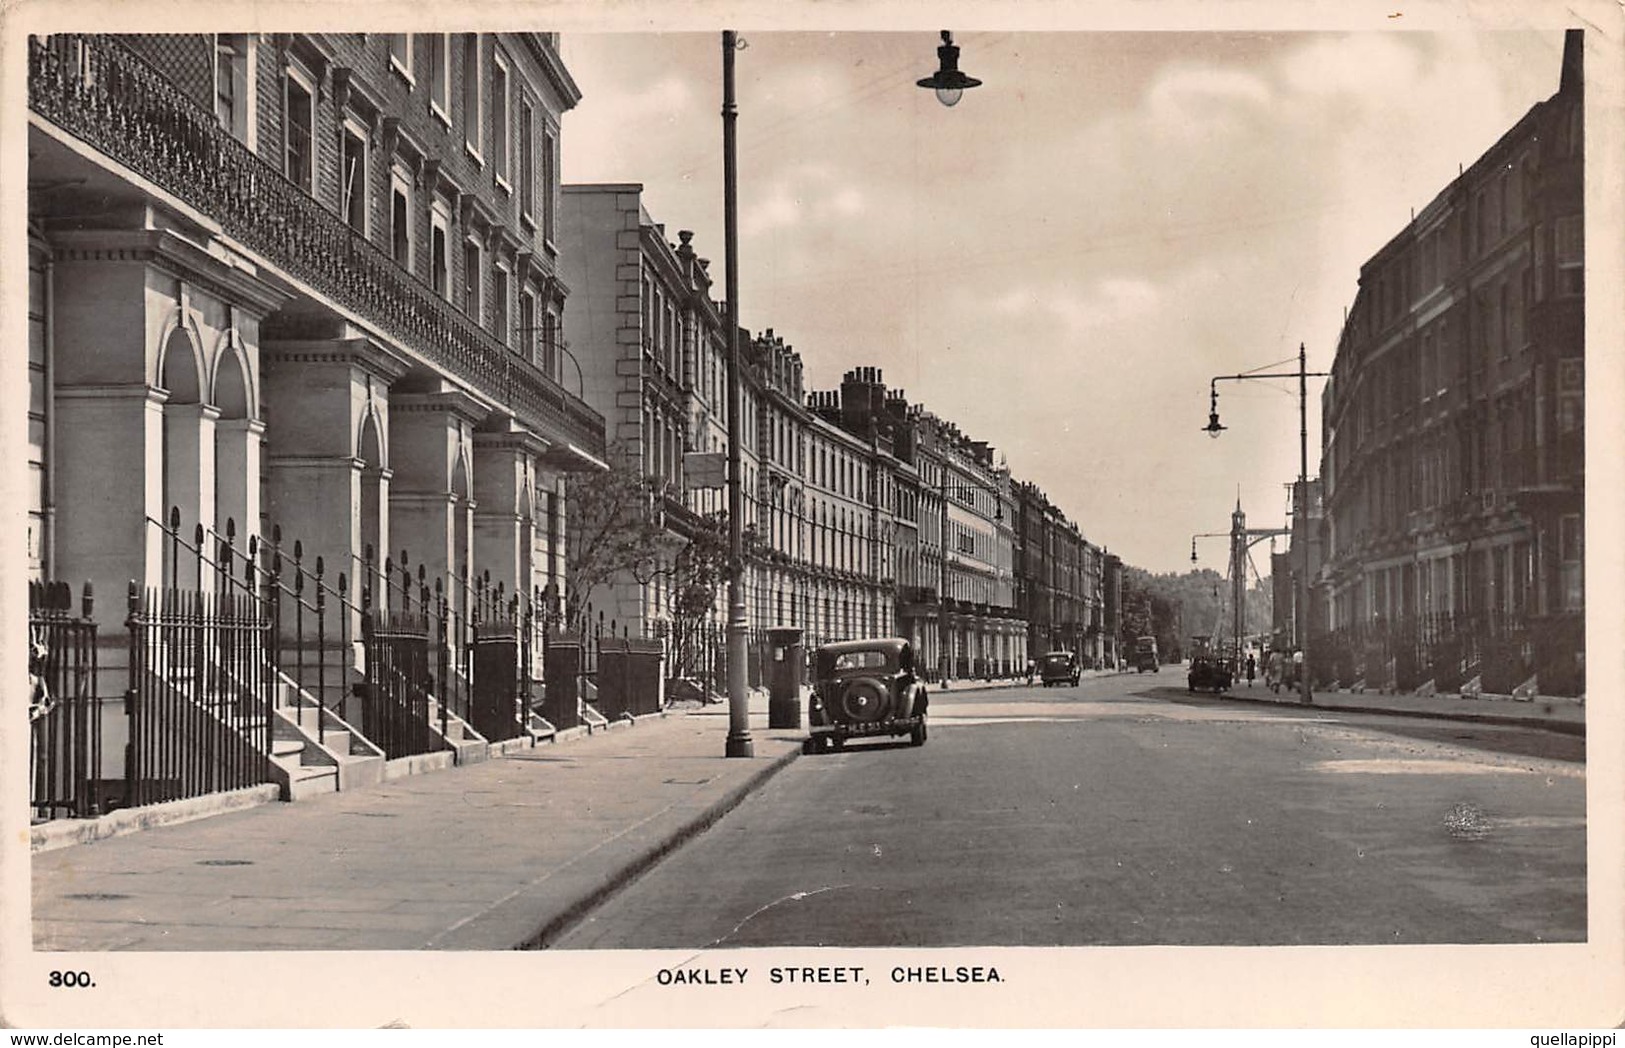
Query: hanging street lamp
x=948, y=82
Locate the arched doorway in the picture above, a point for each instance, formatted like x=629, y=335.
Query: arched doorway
x=370, y=534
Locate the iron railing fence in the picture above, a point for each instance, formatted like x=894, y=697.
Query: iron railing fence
x=96, y=88
x=202, y=686
x=1502, y=649
x=65, y=736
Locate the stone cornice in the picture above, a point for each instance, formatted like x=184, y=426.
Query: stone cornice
x=236, y=280
x=369, y=354
x=512, y=436
x=454, y=402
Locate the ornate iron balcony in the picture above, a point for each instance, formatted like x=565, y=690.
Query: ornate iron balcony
x=96, y=89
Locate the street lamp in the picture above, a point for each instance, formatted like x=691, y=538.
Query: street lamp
x=948, y=82
x=1300, y=508
x=563, y=347
x=739, y=742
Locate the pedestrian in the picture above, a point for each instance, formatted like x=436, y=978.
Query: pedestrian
x=1252, y=668
x=1273, y=674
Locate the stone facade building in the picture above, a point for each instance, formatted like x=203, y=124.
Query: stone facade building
x=651, y=344
x=1057, y=579
x=1453, y=462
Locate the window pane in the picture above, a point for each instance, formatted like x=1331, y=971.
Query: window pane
x=298, y=135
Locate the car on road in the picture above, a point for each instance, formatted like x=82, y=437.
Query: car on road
x=1209, y=672
x=865, y=689
x=1059, y=667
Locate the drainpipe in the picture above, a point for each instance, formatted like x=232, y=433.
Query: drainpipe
x=48, y=540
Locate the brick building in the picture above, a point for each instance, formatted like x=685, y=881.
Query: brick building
x=1453, y=462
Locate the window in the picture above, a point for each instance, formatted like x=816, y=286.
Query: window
x=400, y=53
x=552, y=351
x=1570, y=256
x=1571, y=547
x=400, y=217
x=298, y=155
x=527, y=326
x=353, y=172
x=473, y=117
x=500, y=123
x=471, y=279
x=499, y=303
x=233, y=95
x=549, y=183
x=440, y=76
x=527, y=161
x=439, y=250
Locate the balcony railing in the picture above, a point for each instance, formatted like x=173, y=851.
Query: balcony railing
x=97, y=90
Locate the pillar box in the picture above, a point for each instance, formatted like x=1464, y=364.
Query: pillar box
x=784, y=662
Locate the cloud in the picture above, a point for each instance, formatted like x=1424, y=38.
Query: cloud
x=1350, y=65
x=814, y=195
x=1199, y=94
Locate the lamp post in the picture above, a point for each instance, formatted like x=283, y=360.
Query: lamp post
x=739, y=742
x=949, y=83
x=1300, y=505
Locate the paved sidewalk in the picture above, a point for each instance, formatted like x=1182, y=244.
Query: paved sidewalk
x=1559, y=714
x=491, y=856
x=1548, y=713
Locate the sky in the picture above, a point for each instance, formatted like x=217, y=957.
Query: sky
x=1061, y=262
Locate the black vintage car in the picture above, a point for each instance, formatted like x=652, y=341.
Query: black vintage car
x=1059, y=667
x=864, y=689
x=1209, y=672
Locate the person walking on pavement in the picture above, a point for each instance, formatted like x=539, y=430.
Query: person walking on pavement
x=1273, y=674
x=1252, y=668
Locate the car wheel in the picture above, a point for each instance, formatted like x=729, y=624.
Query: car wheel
x=917, y=736
x=809, y=747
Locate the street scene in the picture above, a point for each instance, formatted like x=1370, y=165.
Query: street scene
x=472, y=505
x=1118, y=812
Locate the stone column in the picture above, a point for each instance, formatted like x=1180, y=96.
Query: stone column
x=109, y=462
x=327, y=411
x=431, y=496
x=237, y=476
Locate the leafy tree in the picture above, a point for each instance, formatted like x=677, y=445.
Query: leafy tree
x=611, y=528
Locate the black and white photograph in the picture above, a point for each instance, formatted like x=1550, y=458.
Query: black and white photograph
x=560, y=515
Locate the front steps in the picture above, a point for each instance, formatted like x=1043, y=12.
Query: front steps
x=314, y=750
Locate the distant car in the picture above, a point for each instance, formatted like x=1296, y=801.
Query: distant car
x=1059, y=667
x=864, y=689
x=1209, y=673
